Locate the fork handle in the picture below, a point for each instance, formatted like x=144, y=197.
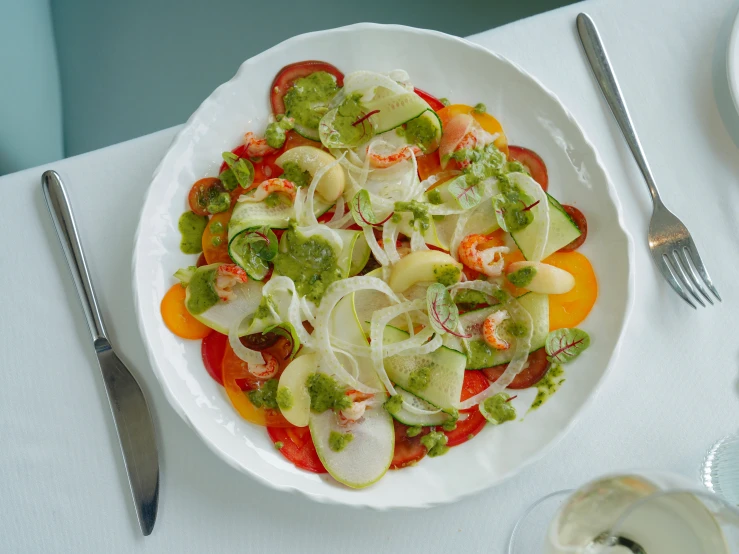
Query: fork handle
x=61, y=215
x=601, y=66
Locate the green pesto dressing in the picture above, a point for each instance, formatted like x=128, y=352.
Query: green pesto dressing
x=435, y=443
x=420, y=212
x=434, y=197
x=264, y=310
x=326, y=394
x=419, y=378
x=548, y=385
x=191, y=227
x=339, y=441
x=348, y=113
x=275, y=135
x=522, y=277
x=498, y=410
x=308, y=98
x=265, y=396
x=468, y=298
x=293, y=172
x=447, y=274
x=284, y=398
x=394, y=404
x=310, y=262
x=422, y=132
x=201, y=292
x=414, y=431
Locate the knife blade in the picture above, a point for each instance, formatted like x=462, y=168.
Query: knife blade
x=133, y=420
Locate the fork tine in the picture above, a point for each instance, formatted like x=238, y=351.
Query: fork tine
x=690, y=270
x=698, y=263
x=684, y=279
x=664, y=267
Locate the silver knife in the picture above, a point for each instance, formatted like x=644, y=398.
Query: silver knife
x=133, y=420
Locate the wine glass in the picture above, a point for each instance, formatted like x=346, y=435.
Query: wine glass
x=638, y=513
x=721, y=468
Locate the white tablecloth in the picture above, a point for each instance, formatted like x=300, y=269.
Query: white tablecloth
x=673, y=391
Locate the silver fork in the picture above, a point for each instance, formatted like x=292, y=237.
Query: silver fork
x=670, y=243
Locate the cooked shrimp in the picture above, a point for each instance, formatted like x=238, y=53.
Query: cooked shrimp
x=468, y=141
x=353, y=413
x=403, y=153
x=265, y=188
x=490, y=330
x=268, y=369
x=227, y=277
x=256, y=147
x=476, y=253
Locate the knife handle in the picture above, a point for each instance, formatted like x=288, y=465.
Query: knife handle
x=66, y=229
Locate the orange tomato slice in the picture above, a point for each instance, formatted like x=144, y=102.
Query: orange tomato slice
x=215, y=244
x=178, y=319
x=571, y=308
x=486, y=121
x=236, y=380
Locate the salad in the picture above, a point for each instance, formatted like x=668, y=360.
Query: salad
x=379, y=273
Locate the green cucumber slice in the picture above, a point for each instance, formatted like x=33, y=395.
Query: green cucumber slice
x=407, y=417
x=444, y=387
x=253, y=215
x=562, y=231
x=396, y=109
x=360, y=255
x=307, y=132
x=482, y=355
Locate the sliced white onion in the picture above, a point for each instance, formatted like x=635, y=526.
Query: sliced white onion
x=366, y=82
x=411, y=345
x=307, y=308
x=307, y=216
x=417, y=241
x=375, y=247
x=283, y=283
x=339, y=211
x=389, y=240
x=251, y=357
x=322, y=336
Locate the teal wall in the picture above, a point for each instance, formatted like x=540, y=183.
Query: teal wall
x=130, y=67
x=30, y=101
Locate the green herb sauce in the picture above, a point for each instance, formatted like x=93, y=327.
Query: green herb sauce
x=422, y=132
x=191, y=227
x=338, y=441
x=435, y=443
x=310, y=262
x=522, y=277
x=293, y=172
x=201, y=290
x=326, y=394
x=266, y=396
x=549, y=384
x=308, y=98
x=447, y=274
x=284, y=398
x=419, y=378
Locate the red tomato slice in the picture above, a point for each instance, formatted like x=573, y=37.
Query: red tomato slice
x=538, y=365
x=201, y=261
x=430, y=99
x=291, y=73
x=470, y=421
x=264, y=167
x=408, y=450
x=297, y=446
x=579, y=218
x=212, y=350
x=201, y=192
x=533, y=162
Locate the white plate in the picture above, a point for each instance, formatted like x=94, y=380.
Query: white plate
x=447, y=67
x=732, y=62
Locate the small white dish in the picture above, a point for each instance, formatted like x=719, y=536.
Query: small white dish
x=445, y=66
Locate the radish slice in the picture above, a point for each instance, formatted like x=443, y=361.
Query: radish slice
x=366, y=458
